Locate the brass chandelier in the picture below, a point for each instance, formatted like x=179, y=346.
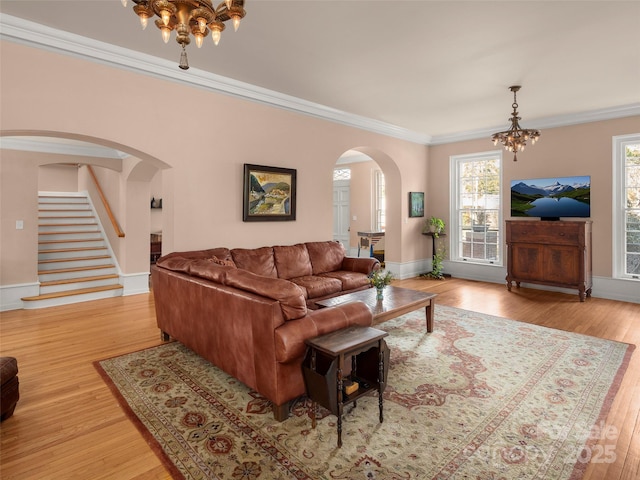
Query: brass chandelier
x=189, y=17
x=515, y=139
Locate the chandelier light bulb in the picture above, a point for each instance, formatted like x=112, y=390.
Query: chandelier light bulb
x=236, y=21
x=199, y=38
x=124, y=3
x=144, y=20
x=215, y=35
x=229, y=3
x=166, y=34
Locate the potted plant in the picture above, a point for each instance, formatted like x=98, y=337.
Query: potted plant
x=436, y=226
x=380, y=279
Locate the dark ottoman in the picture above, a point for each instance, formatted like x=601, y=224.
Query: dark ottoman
x=9, y=393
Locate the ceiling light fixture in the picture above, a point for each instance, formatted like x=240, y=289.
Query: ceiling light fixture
x=515, y=139
x=189, y=17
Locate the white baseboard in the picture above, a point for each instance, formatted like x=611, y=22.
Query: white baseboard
x=134, y=283
x=11, y=295
x=603, y=287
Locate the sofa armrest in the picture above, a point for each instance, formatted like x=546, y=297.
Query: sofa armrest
x=365, y=265
x=290, y=337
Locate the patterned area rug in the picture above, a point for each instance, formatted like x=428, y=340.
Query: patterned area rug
x=481, y=397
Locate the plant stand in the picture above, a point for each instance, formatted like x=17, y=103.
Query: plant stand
x=433, y=249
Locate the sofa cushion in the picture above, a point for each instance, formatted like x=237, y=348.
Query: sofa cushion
x=325, y=256
x=175, y=262
x=256, y=260
x=210, y=269
x=290, y=296
x=292, y=261
x=318, y=286
x=350, y=280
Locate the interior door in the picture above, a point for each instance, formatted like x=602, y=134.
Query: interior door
x=341, y=212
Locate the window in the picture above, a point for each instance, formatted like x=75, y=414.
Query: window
x=379, y=202
x=341, y=174
x=476, y=226
x=626, y=206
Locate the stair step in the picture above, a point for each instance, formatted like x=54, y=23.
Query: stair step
x=71, y=240
x=73, y=224
x=69, y=293
x=77, y=280
x=73, y=259
x=63, y=211
x=75, y=232
x=76, y=269
x=67, y=250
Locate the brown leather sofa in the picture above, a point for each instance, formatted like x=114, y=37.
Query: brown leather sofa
x=249, y=311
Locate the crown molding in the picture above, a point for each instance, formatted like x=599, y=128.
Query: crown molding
x=32, y=34
x=35, y=35
x=547, y=122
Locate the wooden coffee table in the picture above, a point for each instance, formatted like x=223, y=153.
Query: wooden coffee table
x=397, y=301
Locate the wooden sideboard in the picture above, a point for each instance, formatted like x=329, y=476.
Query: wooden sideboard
x=556, y=253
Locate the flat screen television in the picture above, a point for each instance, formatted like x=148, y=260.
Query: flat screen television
x=551, y=198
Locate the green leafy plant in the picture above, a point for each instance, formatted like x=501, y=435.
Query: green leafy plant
x=437, y=226
x=437, y=267
x=381, y=278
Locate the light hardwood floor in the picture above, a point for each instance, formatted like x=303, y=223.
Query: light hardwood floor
x=68, y=424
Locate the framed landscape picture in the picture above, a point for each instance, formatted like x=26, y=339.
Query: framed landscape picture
x=416, y=204
x=269, y=194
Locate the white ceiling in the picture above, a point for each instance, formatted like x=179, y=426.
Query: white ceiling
x=437, y=68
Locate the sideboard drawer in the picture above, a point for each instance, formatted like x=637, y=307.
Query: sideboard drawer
x=564, y=233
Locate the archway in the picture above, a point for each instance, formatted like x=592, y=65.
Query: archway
x=127, y=173
x=364, y=161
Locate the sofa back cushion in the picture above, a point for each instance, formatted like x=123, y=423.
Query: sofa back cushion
x=290, y=296
x=325, y=256
x=256, y=260
x=221, y=253
x=175, y=263
x=211, y=269
x=292, y=261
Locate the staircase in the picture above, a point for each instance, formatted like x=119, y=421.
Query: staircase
x=74, y=263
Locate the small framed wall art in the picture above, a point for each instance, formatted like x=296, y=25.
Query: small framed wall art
x=269, y=194
x=416, y=204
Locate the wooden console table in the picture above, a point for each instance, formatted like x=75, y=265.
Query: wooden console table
x=324, y=365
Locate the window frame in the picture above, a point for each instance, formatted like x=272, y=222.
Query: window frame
x=378, y=190
x=455, y=226
x=619, y=208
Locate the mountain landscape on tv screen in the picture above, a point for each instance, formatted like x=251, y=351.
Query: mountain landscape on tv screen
x=551, y=197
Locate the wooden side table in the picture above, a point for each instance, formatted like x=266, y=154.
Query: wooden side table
x=323, y=369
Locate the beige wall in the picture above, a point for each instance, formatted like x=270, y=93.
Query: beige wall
x=575, y=150
x=58, y=178
x=201, y=151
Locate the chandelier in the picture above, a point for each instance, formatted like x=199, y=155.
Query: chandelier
x=515, y=139
x=189, y=17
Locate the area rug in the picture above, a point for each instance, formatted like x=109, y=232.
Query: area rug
x=480, y=398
